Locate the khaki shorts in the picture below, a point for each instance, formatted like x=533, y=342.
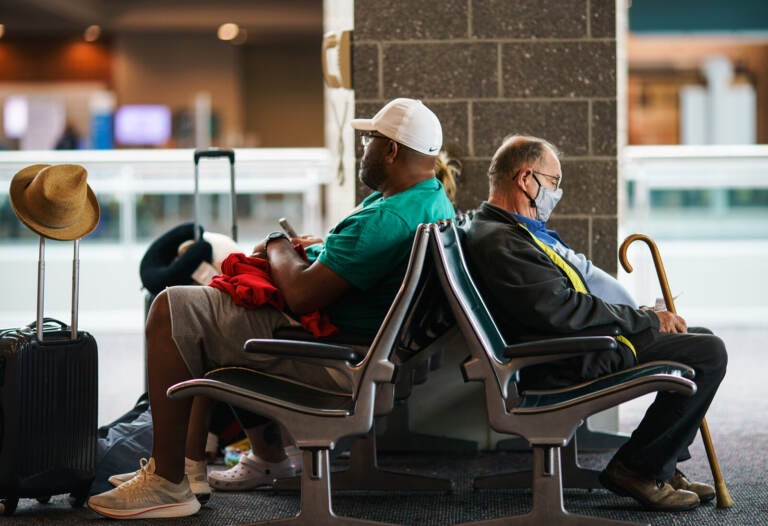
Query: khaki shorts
x=210, y=330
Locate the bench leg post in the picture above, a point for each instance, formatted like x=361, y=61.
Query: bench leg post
x=316, y=508
x=547, y=508
x=575, y=476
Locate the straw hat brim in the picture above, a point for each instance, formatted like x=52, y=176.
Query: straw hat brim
x=85, y=224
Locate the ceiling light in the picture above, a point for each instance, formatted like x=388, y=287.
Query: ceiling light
x=228, y=31
x=92, y=33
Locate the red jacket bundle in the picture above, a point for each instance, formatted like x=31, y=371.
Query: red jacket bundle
x=249, y=281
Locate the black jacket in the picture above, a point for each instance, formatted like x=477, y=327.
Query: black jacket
x=529, y=296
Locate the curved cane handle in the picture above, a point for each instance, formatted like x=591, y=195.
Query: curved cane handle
x=668, y=299
x=724, y=499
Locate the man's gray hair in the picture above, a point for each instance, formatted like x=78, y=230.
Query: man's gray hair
x=515, y=152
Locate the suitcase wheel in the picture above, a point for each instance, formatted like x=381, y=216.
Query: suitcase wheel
x=9, y=504
x=77, y=501
x=44, y=500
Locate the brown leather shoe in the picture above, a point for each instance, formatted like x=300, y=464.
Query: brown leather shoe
x=652, y=494
x=704, y=491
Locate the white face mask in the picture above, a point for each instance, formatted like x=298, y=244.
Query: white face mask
x=546, y=201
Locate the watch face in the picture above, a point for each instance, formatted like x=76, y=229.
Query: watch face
x=275, y=235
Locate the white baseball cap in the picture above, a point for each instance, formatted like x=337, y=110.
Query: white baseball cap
x=407, y=121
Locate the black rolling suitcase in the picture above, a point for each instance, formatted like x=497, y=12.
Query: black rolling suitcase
x=211, y=154
x=48, y=405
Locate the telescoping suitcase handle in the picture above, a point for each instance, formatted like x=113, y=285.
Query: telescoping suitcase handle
x=216, y=153
x=41, y=287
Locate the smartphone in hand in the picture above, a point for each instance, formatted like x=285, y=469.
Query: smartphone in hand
x=287, y=228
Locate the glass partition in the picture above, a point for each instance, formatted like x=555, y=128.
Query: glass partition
x=142, y=193
x=697, y=192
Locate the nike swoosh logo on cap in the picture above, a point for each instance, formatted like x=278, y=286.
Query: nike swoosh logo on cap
x=432, y=149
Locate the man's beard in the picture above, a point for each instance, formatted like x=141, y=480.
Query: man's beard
x=372, y=173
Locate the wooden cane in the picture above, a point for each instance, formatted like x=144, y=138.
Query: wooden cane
x=724, y=499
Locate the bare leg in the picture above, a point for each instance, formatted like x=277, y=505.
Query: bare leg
x=285, y=436
x=197, y=431
x=266, y=442
x=165, y=367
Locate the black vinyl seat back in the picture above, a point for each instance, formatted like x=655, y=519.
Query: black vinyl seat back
x=418, y=316
x=449, y=249
x=470, y=311
x=427, y=318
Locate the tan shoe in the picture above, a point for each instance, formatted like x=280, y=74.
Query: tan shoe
x=652, y=494
x=146, y=496
x=705, y=492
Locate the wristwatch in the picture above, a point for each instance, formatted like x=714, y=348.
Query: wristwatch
x=272, y=236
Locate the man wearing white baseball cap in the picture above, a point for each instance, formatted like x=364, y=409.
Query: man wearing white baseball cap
x=353, y=276
x=408, y=122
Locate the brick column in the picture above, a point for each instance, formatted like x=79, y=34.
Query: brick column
x=490, y=68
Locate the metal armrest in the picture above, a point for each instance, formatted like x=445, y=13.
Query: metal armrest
x=559, y=346
x=339, y=338
x=601, y=330
x=301, y=349
x=544, y=351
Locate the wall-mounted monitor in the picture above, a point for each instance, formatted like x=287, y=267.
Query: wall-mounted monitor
x=15, y=114
x=142, y=125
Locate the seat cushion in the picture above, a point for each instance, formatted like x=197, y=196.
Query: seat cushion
x=255, y=385
x=547, y=400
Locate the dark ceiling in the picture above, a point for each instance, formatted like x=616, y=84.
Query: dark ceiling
x=261, y=18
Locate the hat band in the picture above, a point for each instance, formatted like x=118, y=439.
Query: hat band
x=63, y=217
x=57, y=225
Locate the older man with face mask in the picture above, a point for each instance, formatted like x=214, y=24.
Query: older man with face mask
x=538, y=287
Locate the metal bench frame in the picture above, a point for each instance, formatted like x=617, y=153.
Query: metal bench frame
x=317, y=420
x=546, y=419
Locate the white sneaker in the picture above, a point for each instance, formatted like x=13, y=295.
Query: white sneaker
x=146, y=496
x=118, y=479
x=196, y=472
x=197, y=475
x=250, y=472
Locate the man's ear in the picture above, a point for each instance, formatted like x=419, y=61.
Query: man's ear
x=390, y=155
x=522, y=177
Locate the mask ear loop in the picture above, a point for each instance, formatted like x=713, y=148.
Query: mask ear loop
x=532, y=200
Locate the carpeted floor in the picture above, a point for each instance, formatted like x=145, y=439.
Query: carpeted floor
x=747, y=486
x=739, y=430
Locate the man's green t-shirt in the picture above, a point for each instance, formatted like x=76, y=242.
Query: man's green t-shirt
x=370, y=249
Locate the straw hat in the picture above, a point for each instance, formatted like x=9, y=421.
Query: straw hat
x=55, y=201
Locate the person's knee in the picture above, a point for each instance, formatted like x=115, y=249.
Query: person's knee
x=159, y=316
x=713, y=355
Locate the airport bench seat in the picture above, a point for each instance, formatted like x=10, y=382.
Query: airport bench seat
x=546, y=419
x=316, y=427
